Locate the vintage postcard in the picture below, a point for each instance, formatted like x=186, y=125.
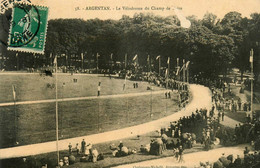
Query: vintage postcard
x=130, y=83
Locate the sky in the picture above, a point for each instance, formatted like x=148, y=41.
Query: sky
x=66, y=8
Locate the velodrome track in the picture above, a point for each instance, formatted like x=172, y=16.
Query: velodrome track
x=201, y=99
x=82, y=98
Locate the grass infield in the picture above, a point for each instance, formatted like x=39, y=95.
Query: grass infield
x=36, y=122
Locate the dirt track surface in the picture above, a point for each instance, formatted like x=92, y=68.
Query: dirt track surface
x=190, y=159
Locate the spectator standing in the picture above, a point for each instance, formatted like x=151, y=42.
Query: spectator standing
x=70, y=148
x=219, y=115
x=83, y=146
x=239, y=104
x=181, y=154
x=99, y=88
x=169, y=95
x=77, y=148
x=176, y=153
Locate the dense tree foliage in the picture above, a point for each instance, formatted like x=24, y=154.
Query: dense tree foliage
x=212, y=45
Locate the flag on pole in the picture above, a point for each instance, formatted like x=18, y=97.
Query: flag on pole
x=177, y=72
x=14, y=92
x=187, y=64
x=98, y=55
x=168, y=61
x=166, y=73
x=183, y=66
x=251, y=55
x=184, y=22
x=55, y=60
x=82, y=56
x=135, y=57
x=148, y=62
x=251, y=59
x=158, y=57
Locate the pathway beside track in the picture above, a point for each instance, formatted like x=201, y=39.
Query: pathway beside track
x=229, y=122
x=190, y=159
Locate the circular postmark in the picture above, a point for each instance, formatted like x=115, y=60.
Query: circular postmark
x=25, y=24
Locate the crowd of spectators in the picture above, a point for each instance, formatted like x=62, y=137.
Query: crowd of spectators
x=172, y=84
x=228, y=104
x=248, y=132
x=245, y=132
x=177, y=138
x=251, y=159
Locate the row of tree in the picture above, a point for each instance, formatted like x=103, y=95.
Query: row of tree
x=212, y=45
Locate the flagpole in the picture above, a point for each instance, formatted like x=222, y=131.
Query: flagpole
x=66, y=59
x=15, y=122
x=125, y=61
x=166, y=91
x=98, y=114
x=188, y=74
x=57, y=125
x=169, y=66
x=160, y=66
x=97, y=62
x=167, y=81
x=136, y=63
x=183, y=70
x=127, y=119
x=127, y=113
x=51, y=63
x=61, y=114
x=82, y=60
x=17, y=61
x=148, y=62
x=168, y=62
x=111, y=67
x=33, y=60
x=178, y=76
x=15, y=118
x=252, y=76
x=151, y=101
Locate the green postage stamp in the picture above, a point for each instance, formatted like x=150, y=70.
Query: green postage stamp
x=28, y=28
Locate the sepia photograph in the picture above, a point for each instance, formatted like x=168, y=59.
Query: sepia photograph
x=130, y=84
